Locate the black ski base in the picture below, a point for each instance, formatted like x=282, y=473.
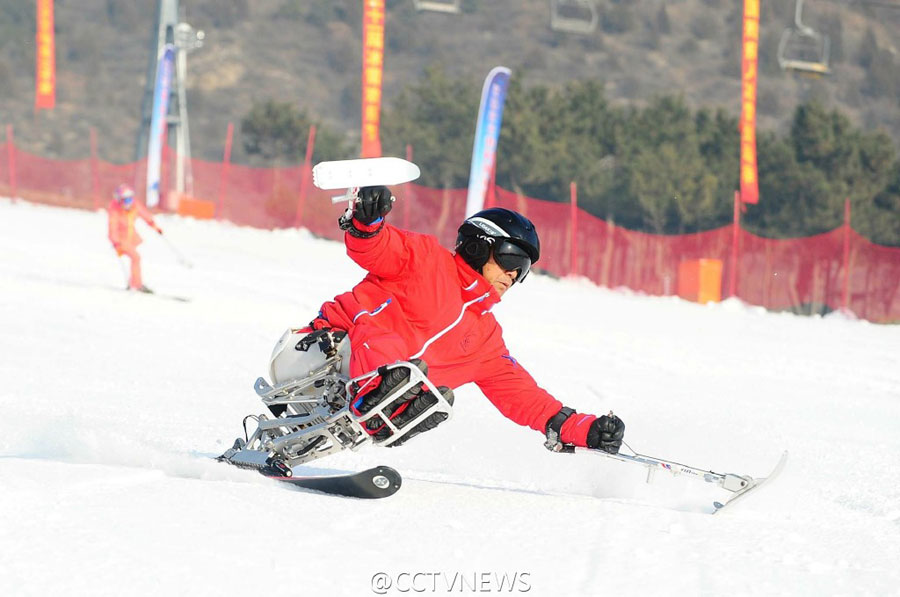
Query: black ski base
x=374, y=483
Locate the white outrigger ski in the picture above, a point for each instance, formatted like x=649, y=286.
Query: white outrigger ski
x=738, y=485
x=363, y=172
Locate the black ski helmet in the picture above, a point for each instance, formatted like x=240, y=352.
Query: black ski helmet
x=491, y=229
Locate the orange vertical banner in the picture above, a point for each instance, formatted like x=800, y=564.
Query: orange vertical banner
x=373, y=63
x=45, y=58
x=749, y=182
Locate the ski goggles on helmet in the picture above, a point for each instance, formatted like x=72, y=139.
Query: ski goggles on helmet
x=511, y=257
x=127, y=199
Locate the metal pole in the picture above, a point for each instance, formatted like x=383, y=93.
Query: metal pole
x=187, y=39
x=180, y=70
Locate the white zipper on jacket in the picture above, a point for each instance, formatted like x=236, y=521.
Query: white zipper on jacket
x=431, y=340
x=374, y=312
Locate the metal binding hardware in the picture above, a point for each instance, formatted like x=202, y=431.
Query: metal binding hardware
x=416, y=378
x=318, y=420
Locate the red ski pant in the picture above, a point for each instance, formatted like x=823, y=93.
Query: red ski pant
x=135, y=282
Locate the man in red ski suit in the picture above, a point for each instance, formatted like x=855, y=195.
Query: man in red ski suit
x=123, y=213
x=420, y=301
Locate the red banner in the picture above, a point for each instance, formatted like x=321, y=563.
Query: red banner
x=45, y=58
x=373, y=63
x=749, y=182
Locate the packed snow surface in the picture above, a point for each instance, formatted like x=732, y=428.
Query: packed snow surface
x=112, y=405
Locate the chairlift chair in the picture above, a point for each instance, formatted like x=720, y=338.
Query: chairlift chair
x=803, y=49
x=574, y=16
x=449, y=7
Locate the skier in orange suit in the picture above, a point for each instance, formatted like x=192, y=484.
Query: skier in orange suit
x=123, y=213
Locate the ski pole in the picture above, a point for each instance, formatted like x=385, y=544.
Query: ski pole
x=738, y=485
x=178, y=255
x=727, y=481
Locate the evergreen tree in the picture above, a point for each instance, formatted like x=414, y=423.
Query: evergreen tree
x=278, y=131
x=437, y=117
x=662, y=168
x=719, y=141
x=791, y=193
x=527, y=146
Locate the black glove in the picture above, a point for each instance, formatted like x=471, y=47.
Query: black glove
x=372, y=203
x=606, y=434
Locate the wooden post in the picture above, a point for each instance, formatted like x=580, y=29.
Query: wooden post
x=307, y=170
x=817, y=292
x=735, y=237
x=845, y=291
x=409, y=194
x=95, y=174
x=11, y=161
x=444, y=215
x=608, y=253
x=226, y=160
x=573, y=245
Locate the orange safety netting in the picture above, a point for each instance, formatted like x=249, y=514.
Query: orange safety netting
x=804, y=274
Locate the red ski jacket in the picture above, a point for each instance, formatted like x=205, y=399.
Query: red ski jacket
x=419, y=300
x=122, y=231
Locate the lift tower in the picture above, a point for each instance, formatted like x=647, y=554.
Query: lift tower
x=169, y=29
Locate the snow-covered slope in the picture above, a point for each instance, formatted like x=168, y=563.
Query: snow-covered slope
x=111, y=404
